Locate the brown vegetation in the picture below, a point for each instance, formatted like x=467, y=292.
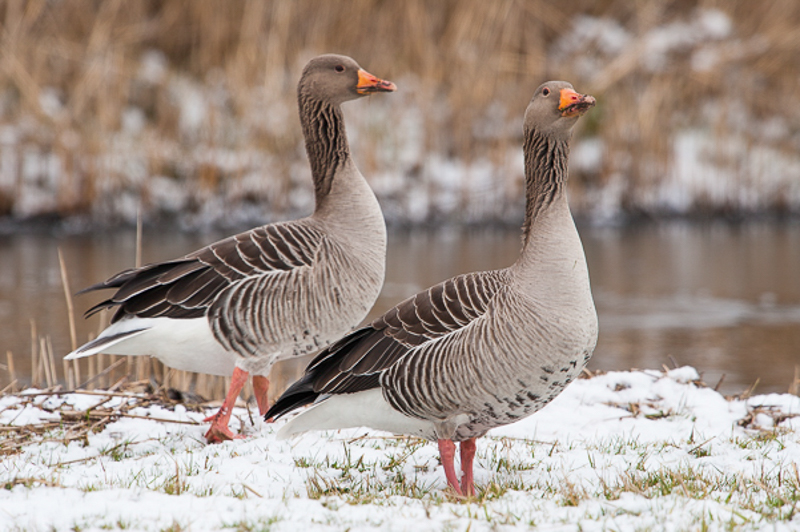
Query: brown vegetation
x=71, y=72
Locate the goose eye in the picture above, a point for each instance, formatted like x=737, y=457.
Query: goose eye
x=546, y=91
x=339, y=68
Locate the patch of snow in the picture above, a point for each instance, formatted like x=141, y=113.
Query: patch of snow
x=166, y=194
x=715, y=24
x=192, y=105
x=153, y=67
x=575, y=465
x=133, y=121
x=50, y=101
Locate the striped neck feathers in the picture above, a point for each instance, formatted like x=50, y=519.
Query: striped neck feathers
x=326, y=141
x=546, y=160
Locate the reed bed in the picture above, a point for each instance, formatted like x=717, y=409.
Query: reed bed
x=110, y=104
x=111, y=373
x=47, y=371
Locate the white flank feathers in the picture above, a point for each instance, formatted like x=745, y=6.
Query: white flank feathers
x=361, y=409
x=186, y=344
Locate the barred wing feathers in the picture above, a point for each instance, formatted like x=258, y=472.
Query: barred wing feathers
x=187, y=287
x=356, y=362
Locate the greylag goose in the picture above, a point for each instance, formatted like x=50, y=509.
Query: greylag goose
x=277, y=291
x=479, y=350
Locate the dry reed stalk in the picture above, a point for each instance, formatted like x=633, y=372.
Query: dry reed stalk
x=112, y=361
x=794, y=388
x=36, y=376
x=138, y=255
x=68, y=379
x=45, y=363
x=202, y=387
x=92, y=373
x=464, y=54
x=102, y=374
x=11, y=387
x=100, y=360
x=73, y=336
x=12, y=373
x=142, y=368
x=51, y=357
x=71, y=374
x=166, y=373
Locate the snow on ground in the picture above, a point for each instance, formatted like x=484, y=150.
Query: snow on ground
x=638, y=450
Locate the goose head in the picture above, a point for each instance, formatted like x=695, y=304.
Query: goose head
x=555, y=108
x=338, y=78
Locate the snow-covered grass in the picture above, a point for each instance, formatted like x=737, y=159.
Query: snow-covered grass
x=638, y=450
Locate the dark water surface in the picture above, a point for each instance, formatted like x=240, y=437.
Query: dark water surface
x=722, y=298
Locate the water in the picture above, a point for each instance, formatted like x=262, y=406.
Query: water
x=722, y=298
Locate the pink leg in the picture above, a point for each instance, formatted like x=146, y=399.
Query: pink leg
x=447, y=452
x=467, y=455
x=219, y=431
x=260, y=389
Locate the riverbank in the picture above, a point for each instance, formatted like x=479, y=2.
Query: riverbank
x=187, y=112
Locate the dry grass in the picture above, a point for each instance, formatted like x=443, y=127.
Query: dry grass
x=465, y=55
x=112, y=373
x=78, y=424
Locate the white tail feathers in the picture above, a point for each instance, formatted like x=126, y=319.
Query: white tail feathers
x=102, y=344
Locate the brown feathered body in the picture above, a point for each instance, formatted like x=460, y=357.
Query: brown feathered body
x=479, y=350
x=274, y=292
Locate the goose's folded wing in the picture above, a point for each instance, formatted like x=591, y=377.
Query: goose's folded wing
x=186, y=287
x=356, y=362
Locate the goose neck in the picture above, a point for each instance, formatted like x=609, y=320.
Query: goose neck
x=546, y=159
x=325, y=140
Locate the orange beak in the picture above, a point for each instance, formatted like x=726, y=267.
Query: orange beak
x=574, y=104
x=368, y=83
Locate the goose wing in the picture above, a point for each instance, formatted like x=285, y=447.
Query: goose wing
x=356, y=362
x=187, y=287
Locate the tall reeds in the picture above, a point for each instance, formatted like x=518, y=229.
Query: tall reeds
x=74, y=74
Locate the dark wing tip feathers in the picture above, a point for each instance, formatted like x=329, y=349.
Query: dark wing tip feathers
x=115, y=281
x=304, y=391
x=135, y=289
x=299, y=394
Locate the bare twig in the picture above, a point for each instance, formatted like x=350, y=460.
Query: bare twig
x=696, y=447
x=251, y=490
x=749, y=392
x=161, y=419
x=11, y=387
x=719, y=383
x=103, y=373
